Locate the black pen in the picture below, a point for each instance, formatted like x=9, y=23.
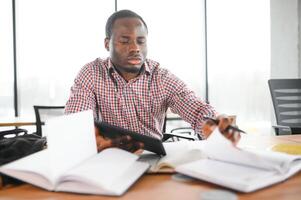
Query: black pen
x=216, y=121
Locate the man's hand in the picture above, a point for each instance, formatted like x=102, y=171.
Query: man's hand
x=123, y=142
x=223, y=125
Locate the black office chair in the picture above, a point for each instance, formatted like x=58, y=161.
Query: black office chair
x=179, y=133
x=45, y=112
x=286, y=98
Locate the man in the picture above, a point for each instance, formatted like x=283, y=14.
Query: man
x=133, y=92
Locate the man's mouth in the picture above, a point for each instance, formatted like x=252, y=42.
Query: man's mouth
x=135, y=60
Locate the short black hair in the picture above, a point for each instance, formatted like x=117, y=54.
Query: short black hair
x=118, y=15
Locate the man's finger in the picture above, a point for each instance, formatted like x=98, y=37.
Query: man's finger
x=232, y=134
x=226, y=129
x=133, y=146
x=123, y=142
x=138, y=152
x=224, y=123
x=136, y=146
x=102, y=143
x=208, y=128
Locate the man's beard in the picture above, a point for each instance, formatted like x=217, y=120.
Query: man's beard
x=132, y=70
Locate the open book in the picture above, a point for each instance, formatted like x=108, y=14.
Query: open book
x=71, y=162
x=238, y=169
x=177, y=153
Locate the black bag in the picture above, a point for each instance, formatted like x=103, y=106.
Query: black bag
x=17, y=147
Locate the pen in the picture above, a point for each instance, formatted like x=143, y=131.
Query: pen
x=216, y=121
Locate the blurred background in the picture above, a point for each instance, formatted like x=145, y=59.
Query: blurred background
x=225, y=51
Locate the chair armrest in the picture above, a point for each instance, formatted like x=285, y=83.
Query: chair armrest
x=182, y=128
x=166, y=136
x=282, y=130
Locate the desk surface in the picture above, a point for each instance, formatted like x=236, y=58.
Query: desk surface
x=17, y=121
x=160, y=186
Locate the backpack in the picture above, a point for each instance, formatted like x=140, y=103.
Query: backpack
x=17, y=147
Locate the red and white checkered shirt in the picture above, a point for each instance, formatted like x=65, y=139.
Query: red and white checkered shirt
x=140, y=104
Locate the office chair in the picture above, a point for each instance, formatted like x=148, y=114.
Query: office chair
x=45, y=112
x=286, y=98
x=179, y=133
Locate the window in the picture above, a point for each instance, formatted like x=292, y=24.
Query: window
x=54, y=40
x=239, y=60
x=176, y=37
x=6, y=60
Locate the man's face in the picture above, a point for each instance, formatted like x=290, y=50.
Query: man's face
x=128, y=45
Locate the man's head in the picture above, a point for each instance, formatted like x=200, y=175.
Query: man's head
x=126, y=39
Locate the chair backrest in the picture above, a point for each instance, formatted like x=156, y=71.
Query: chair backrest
x=286, y=98
x=45, y=112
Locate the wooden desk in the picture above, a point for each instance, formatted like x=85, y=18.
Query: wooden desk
x=17, y=122
x=160, y=186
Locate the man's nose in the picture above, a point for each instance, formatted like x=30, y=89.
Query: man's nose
x=134, y=47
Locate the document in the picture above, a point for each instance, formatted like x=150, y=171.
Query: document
x=239, y=169
x=71, y=162
x=177, y=153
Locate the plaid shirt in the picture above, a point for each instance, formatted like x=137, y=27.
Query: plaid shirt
x=139, y=104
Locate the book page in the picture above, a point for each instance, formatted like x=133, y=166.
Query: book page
x=102, y=170
x=34, y=169
x=219, y=148
x=129, y=177
x=282, y=160
x=238, y=177
x=70, y=140
x=181, y=152
x=177, y=153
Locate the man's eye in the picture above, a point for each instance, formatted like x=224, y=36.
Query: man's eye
x=142, y=41
x=124, y=41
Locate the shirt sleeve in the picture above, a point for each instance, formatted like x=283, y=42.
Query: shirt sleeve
x=82, y=95
x=185, y=103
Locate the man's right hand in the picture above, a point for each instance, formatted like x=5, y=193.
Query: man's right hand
x=123, y=142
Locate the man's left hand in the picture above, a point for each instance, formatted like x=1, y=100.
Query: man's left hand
x=223, y=125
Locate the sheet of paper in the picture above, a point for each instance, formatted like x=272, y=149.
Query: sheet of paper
x=103, y=169
x=220, y=148
x=238, y=177
x=177, y=153
x=34, y=169
x=70, y=140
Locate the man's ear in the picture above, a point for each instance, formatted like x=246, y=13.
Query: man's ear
x=107, y=44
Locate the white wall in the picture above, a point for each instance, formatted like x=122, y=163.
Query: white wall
x=285, y=39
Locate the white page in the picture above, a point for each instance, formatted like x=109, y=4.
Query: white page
x=129, y=177
x=220, y=148
x=102, y=169
x=71, y=140
x=34, y=169
x=234, y=176
x=182, y=152
x=177, y=153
